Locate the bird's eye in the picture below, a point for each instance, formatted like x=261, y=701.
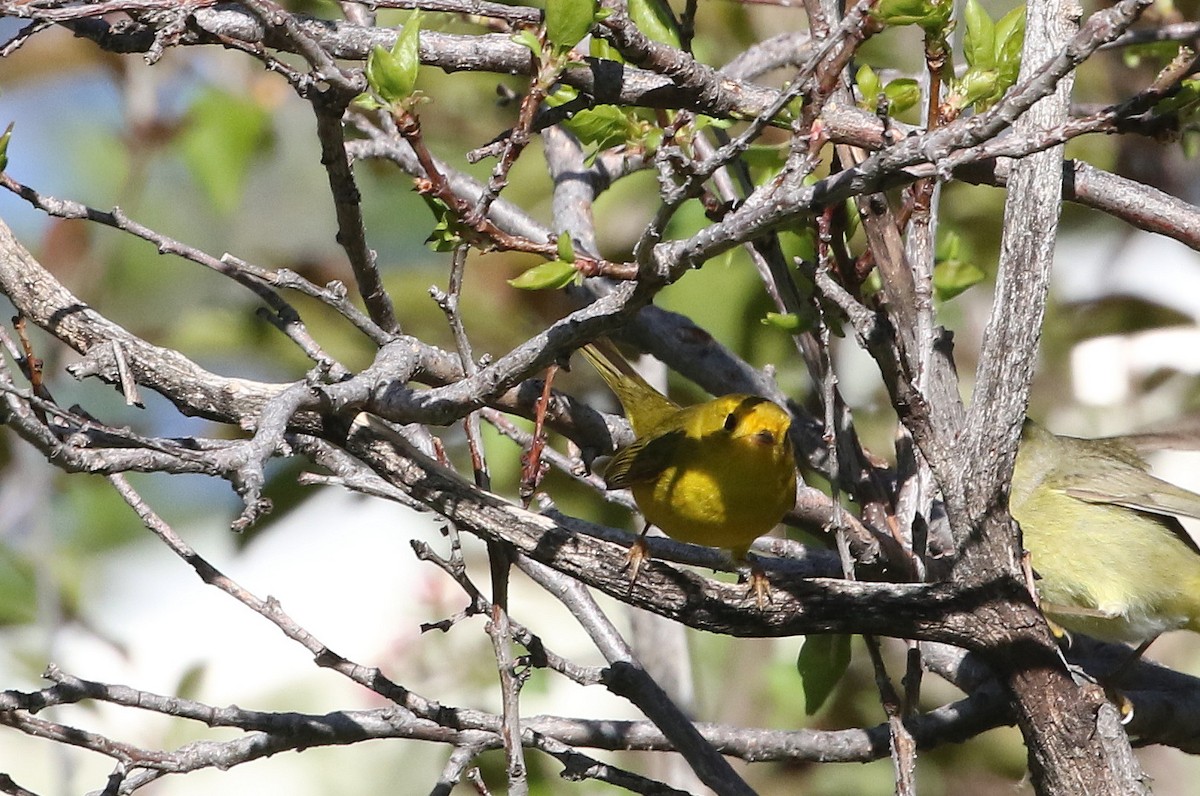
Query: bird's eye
x=731, y=421
x=765, y=437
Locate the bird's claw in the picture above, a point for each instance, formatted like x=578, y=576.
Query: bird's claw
x=639, y=551
x=759, y=586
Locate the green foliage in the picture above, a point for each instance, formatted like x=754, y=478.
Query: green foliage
x=822, y=661
x=902, y=93
x=993, y=54
x=1184, y=104
x=656, y=20
x=952, y=274
x=448, y=232
x=599, y=48
x=764, y=161
x=1155, y=54
x=799, y=244
x=789, y=322
x=568, y=21
x=566, y=249
x=932, y=16
x=97, y=517
x=792, y=322
x=605, y=126
x=1185, y=101
x=546, y=276
x=224, y=134
x=869, y=86
x=4, y=139
x=979, y=41
x=1010, y=38
x=392, y=74
x=529, y=40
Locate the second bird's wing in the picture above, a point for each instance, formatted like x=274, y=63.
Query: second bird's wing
x=1138, y=490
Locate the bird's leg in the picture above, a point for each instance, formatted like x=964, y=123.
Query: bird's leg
x=639, y=551
x=1127, y=665
x=759, y=586
x=1030, y=578
x=1113, y=681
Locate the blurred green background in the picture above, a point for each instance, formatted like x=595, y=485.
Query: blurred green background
x=208, y=148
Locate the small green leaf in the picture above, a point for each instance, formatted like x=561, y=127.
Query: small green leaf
x=656, y=20
x=949, y=247
x=1010, y=37
x=4, y=139
x=1184, y=102
x=702, y=122
x=393, y=73
x=869, y=86
x=791, y=112
x=449, y=231
x=979, y=41
x=789, y=322
x=951, y=277
x=932, y=16
x=953, y=273
x=603, y=126
x=762, y=156
x=383, y=73
x=1010, y=34
x=546, y=276
x=566, y=249
x=568, y=21
x=799, y=244
x=224, y=133
x=599, y=48
x=899, y=12
x=993, y=55
x=902, y=93
x=976, y=87
x=367, y=101
x=528, y=39
x=1189, y=142
x=822, y=661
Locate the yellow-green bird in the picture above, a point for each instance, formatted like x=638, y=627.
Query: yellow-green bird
x=1110, y=557
x=719, y=473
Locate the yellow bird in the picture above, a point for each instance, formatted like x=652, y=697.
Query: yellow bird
x=719, y=473
x=1111, y=558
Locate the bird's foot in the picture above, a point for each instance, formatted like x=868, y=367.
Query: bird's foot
x=758, y=584
x=639, y=551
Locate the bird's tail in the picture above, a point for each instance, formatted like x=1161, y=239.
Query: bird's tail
x=644, y=405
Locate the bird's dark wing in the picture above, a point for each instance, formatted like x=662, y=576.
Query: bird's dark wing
x=644, y=460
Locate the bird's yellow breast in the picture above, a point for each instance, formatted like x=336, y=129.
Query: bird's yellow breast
x=731, y=477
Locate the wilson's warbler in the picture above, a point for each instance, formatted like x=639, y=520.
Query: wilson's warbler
x=1110, y=557
x=719, y=473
